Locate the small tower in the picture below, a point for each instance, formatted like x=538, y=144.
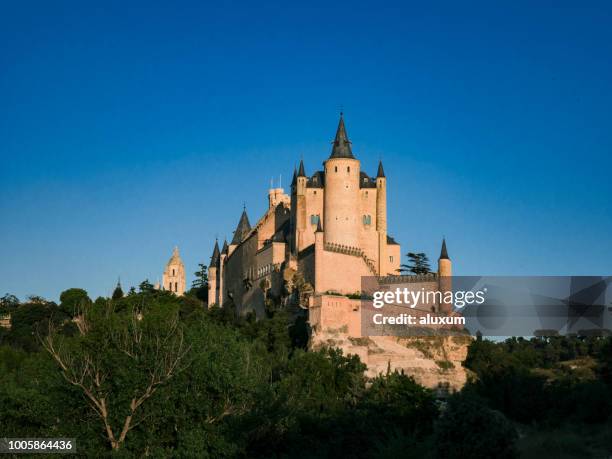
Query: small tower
x=381, y=218
x=445, y=273
x=173, y=279
x=221, y=273
x=300, y=209
x=213, y=276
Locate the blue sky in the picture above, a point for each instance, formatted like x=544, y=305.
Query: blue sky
x=127, y=128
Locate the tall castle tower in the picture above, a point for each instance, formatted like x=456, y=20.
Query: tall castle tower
x=341, y=203
x=173, y=279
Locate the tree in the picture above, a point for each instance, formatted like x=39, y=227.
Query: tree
x=118, y=292
x=8, y=303
x=119, y=363
x=418, y=264
x=146, y=286
x=74, y=300
x=199, y=285
x=468, y=429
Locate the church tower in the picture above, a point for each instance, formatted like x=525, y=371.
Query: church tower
x=173, y=279
x=341, y=199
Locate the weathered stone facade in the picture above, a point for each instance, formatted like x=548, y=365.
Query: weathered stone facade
x=173, y=278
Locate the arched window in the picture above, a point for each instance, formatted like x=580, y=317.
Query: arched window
x=335, y=168
x=173, y=274
x=176, y=286
x=348, y=168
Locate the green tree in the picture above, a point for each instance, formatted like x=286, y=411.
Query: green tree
x=74, y=301
x=146, y=286
x=118, y=292
x=468, y=429
x=199, y=286
x=8, y=303
x=418, y=263
x=118, y=363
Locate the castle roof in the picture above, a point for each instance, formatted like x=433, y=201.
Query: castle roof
x=225, y=249
x=391, y=241
x=301, y=172
x=444, y=252
x=294, y=179
x=365, y=181
x=317, y=180
x=242, y=229
x=214, y=259
x=341, y=145
x=381, y=172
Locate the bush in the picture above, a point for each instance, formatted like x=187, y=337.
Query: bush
x=468, y=429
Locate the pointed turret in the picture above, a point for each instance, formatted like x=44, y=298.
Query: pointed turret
x=444, y=252
x=381, y=171
x=341, y=145
x=301, y=172
x=224, y=249
x=294, y=179
x=214, y=259
x=242, y=229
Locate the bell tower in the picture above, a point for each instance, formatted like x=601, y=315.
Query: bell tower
x=173, y=279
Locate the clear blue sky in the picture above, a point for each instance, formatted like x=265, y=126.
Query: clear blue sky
x=127, y=128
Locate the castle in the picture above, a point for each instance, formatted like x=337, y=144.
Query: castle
x=331, y=230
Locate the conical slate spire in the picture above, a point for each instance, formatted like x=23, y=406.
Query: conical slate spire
x=444, y=252
x=342, y=145
x=301, y=172
x=381, y=171
x=242, y=229
x=294, y=180
x=214, y=260
x=225, y=249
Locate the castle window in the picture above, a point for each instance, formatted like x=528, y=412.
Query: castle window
x=315, y=191
x=391, y=258
x=348, y=168
x=367, y=219
x=173, y=273
x=314, y=219
x=335, y=168
x=176, y=286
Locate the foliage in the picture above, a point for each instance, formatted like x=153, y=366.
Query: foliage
x=8, y=303
x=74, y=301
x=199, y=286
x=468, y=429
x=195, y=382
x=118, y=292
x=418, y=263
